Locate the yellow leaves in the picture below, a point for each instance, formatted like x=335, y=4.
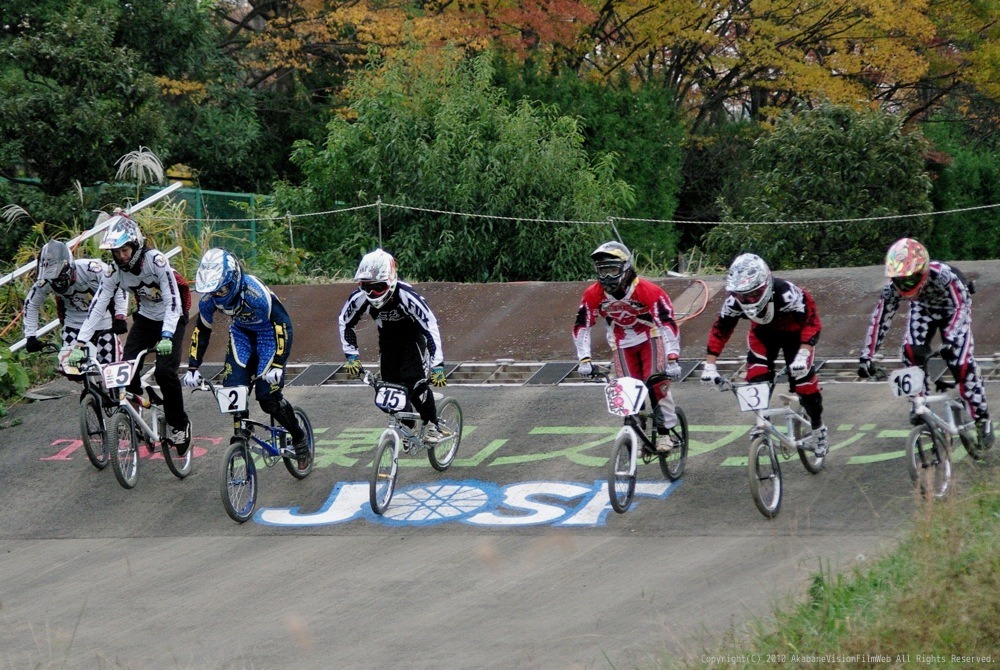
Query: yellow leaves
x=196, y=90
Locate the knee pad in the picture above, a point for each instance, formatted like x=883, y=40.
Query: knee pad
x=270, y=404
x=658, y=385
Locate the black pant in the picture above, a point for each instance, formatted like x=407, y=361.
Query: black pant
x=407, y=364
x=144, y=334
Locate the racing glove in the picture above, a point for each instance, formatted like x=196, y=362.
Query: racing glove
x=353, y=367
x=438, y=378
x=119, y=326
x=866, y=369
x=800, y=366
x=75, y=357
x=273, y=376
x=672, y=370
x=193, y=378
x=586, y=368
x=32, y=345
x=164, y=347
x=710, y=373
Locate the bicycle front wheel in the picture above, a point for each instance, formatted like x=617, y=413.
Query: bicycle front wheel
x=93, y=431
x=929, y=462
x=384, y=472
x=765, y=477
x=672, y=463
x=123, y=448
x=239, y=481
x=450, y=427
x=300, y=468
x=622, y=470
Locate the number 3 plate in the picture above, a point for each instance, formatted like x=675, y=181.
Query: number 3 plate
x=753, y=397
x=232, y=399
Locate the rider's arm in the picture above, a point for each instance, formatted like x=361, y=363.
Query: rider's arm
x=355, y=307
x=880, y=321
x=723, y=327
x=663, y=316
x=202, y=332
x=36, y=297
x=282, y=323
x=99, y=305
x=169, y=291
x=414, y=306
x=812, y=326
x=586, y=317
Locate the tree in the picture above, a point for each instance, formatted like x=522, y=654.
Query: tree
x=822, y=165
x=425, y=136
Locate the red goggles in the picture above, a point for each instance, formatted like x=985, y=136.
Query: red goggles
x=752, y=296
x=374, y=289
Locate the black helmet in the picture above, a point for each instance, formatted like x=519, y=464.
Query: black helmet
x=55, y=265
x=613, y=263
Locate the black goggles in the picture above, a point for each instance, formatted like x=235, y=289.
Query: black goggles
x=752, y=296
x=609, y=270
x=374, y=289
x=907, y=283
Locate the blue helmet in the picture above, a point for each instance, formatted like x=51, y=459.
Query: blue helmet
x=220, y=275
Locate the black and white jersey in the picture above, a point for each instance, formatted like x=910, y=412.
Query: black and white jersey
x=76, y=299
x=404, y=319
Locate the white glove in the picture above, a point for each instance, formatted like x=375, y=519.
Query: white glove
x=586, y=368
x=192, y=379
x=672, y=370
x=709, y=373
x=273, y=376
x=800, y=366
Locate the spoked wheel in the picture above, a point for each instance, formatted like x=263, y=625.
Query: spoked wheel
x=810, y=460
x=123, y=447
x=450, y=426
x=93, y=432
x=239, y=481
x=178, y=464
x=384, y=472
x=765, y=477
x=301, y=468
x=622, y=470
x=929, y=462
x=672, y=462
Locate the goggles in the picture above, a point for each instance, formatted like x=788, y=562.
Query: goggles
x=751, y=297
x=374, y=289
x=609, y=270
x=907, y=283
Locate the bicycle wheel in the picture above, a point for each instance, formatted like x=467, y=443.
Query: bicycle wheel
x=93, y=431
x=450, y=426
x=928, y=461
x=179, y=465
x=123, y=448
x=239, y=481
x=622, y=470
x=812, y=463
x=765, y=477
x=672, y=463
x=384, y=472
x=297, y=469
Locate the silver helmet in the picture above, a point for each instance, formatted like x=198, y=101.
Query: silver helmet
x=612, y=262
x=749, y=281
x=55, y=265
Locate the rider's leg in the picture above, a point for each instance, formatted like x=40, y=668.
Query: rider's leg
x=170, y=384
x=958, y=354
x=144, y=334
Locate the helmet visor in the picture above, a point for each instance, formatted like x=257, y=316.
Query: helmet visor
x=908, y=283
x=751, y=297
x=609, y=269
x=223, y=290
x=374, y=289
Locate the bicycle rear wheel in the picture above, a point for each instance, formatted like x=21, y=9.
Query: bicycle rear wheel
x=765, y=477
x=384, y=472
x=672, y=463
x=179, y=465
x=301, y=469
x=450, y=427
x=239, y=481
x=93, y=431
x=123, y=448
x=622, y=470
x=812, y=463
x=929, y=462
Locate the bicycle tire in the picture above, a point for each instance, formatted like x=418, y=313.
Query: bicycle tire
x=292, y=463
x=810, y=461
x=385, y=470
x=929, y=462
x=622, y=470
x=238, y=487
x=93, y=431
x=672, y=463
x=123, y=447
x=179, y=465
x=443, y=453
x=765, y=477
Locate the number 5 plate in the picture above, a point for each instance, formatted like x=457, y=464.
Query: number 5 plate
x=753, y=397
x=907, y=382
x=232, y=399
x=117, y=375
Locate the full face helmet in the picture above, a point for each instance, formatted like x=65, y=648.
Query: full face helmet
x=907, y=265
x=749, y=281
x=377, y=277
x=55, y=265
x=613, y=264
x=220, y=275
x=123, y=232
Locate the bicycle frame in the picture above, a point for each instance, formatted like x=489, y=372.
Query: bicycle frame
x=389, y=397
x=768, y=419
x=233, y=400
x=117, y=376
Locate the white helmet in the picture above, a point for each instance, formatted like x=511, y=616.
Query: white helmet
x=219, y=273
x=749, y=281
x=377, y=277
x=122, y=232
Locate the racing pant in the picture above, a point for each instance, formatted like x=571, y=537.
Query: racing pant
x=144, y=334
x=646, y=361
x=407, y=363
x=763, y=352
x=108, y=346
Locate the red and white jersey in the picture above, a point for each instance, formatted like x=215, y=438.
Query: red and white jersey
x=644, y=311
x=795, y=314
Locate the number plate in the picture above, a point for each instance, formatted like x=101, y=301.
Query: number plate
x=907, y=382
x=117, y=375
x=390, y=398
x=753, y=397
x=232, y=399
x=625, y=396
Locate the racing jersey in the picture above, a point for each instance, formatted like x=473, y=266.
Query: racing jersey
x=644, y=311
x=74, y=302
x=158, y=293
x=944, y=297
x=258, y=310
x=404, y=318
x=795, y=313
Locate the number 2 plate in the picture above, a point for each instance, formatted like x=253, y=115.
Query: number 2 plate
x=907, y=382
x=232, y=399
x=753, y=397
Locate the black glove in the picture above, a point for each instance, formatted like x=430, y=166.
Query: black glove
x=867, y=369
x=33, y=345
x=119, y=326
